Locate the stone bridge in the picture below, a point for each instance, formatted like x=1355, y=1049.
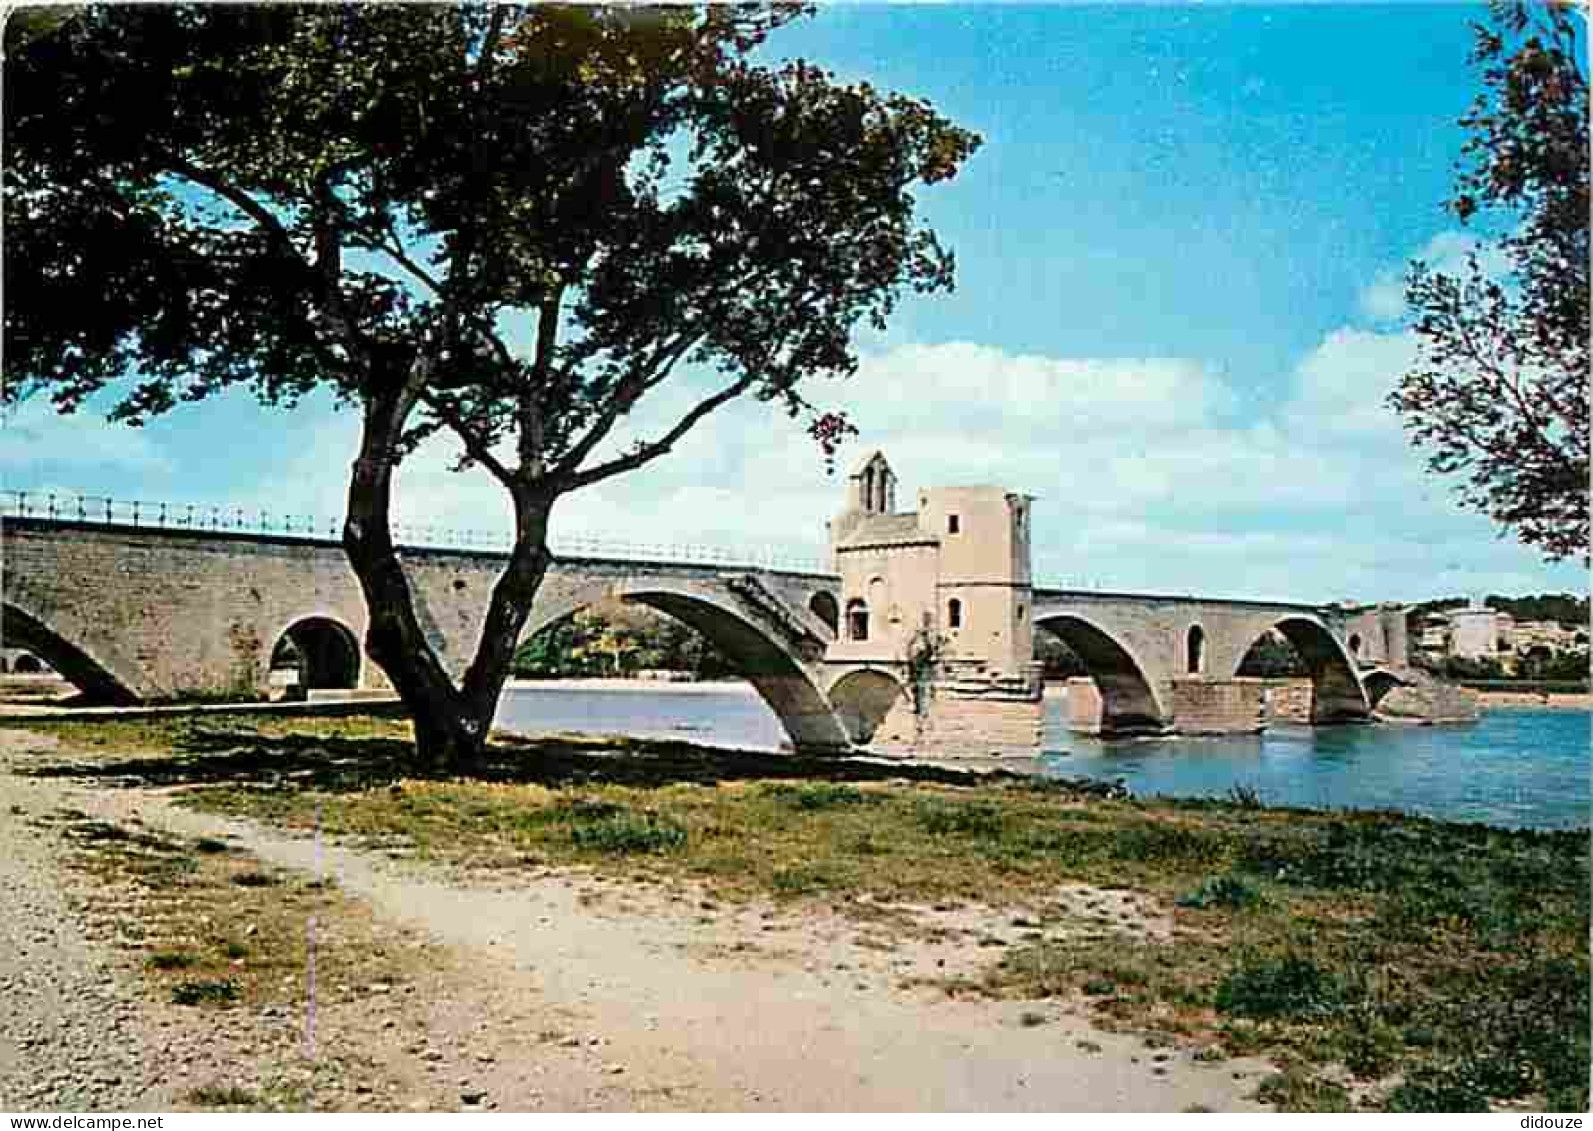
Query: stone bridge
x=1165, y=663
x=139, y=614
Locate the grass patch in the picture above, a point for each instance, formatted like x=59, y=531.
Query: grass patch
x=223, y=1095
x=254, y=879
x=1234, y=892
x=624, y=834
x=812, y=796
x=214, y=935
x=205, y=991
x=1451, y=957
x=170, y=960
x=1290, y=988
x=1296, y=1089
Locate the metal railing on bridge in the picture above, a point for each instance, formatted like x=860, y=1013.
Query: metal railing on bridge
x=102, y=510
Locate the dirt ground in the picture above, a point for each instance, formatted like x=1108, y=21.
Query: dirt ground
x=545, y=989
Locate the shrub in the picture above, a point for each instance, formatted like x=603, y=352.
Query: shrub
x=205, y=991
x=626, y=834
x=1223, y=891
x=1245, y=797
x=816, y=795
x=1446, y=1087
x=1294, y=1089
x=169, y=960
x=968, y=818
x=1291, y=987
x=1371, y=1048
x=222, y=1095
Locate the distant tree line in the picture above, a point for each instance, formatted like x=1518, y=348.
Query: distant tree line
x=1536, y=666
x=614, y=639
x=1565, y=609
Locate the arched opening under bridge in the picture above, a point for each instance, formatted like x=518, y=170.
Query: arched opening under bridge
x=1129, y=704
x=322, y=653
x=862, y=699
x=73, y=662
x=775, y=670
x=1337, y=695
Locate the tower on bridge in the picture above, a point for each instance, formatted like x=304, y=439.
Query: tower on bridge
x=955, y=571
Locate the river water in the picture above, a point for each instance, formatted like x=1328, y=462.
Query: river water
x=1515, y=768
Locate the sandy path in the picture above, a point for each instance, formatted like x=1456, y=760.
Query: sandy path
x=735, y=1009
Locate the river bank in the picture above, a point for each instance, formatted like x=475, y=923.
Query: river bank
x=1558, y=701
x=662, y=926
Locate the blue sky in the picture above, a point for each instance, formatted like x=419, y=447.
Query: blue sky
x=1177, y=317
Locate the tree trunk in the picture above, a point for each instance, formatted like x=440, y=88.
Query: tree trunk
x=451, y=723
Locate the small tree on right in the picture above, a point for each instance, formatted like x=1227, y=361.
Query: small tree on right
x=1498, y=396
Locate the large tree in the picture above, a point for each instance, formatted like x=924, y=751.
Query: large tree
x=1499, y=393
x=507, y=223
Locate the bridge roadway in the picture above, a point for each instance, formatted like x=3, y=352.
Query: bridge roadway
x=135, y=613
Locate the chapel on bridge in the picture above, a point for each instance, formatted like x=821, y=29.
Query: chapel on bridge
x=957, y=566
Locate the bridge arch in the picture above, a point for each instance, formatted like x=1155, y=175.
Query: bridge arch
x=324, y=649
x=1378, y=684
x=92, y=671
x=1130, y=703
x=773, y=667
x=861, y=699
x=1337, y=694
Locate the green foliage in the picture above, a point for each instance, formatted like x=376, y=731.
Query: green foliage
x=1242, y=796
x=1234, y=892
x=205, y=991
x=223, y=1095
x=169, y=960
x=1498, y=393
x=1291, y=988
x=1371, y=1047
x=814, y=796
x=362, y=197
x=1272, y=657
x=1060, y=661
x=1298, y=1090
x=1443, y=1088
x=966, y=818
x=614, y=639
x=626, y=834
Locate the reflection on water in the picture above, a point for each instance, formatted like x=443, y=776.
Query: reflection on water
x=1519, y=768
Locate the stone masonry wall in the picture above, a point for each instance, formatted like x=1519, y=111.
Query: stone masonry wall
x=1218, y=706
x=957, y=723
x=169, y=613
x=1084, y=705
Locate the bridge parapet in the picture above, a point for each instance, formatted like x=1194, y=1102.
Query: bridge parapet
x=146, y=514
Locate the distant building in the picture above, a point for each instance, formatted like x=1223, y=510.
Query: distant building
x=1477, y=632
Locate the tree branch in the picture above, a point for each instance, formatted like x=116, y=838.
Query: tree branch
x=533, y=425
x=625, y=394
x=646, y=453
x=474, y=447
